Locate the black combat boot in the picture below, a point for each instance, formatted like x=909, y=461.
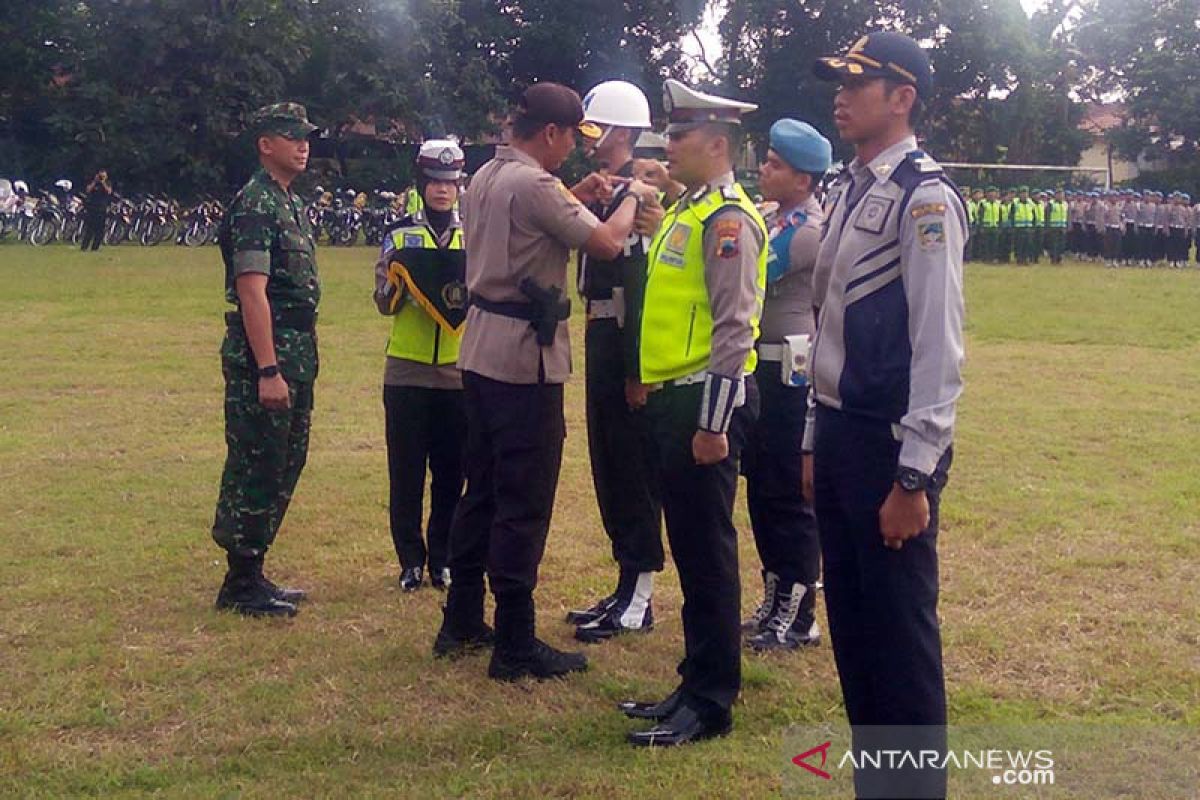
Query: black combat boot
x=630, y=610
x=518, y=652
x=287, y=594
x=785, y=629
x=242, y=592
x=766, y=608
x=463, y=629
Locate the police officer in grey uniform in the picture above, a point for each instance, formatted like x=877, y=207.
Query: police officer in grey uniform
x=785, y=530
x=520, y=224
x=886, y=377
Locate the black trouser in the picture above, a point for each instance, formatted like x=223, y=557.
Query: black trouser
x=698, y=505
x=882, y=603
x=785, y=529
x=514, y=450
x=424, y=426
x=1177, y=245
x=93, y=231
x=617, y=440
x=1112, y=243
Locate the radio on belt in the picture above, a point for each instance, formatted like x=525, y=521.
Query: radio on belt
x=794, y=364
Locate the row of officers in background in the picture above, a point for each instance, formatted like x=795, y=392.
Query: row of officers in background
x=817, y=352
x=1121, y=228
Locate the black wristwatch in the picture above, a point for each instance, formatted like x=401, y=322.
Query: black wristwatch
x=911, y=480
x=268, y=372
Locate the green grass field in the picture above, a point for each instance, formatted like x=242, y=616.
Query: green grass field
x=1070, y=556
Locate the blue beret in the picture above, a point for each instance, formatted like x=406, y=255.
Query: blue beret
x=801, y=145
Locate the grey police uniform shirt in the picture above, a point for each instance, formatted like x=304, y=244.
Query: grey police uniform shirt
x=889, y=341
x=1162, y=216
x=1129, y=211
x=1095, y=214
x=403, y=371
x=518, y=221
x=1112, y=215
x=1145, y=216
x=1180, y=216
x=788, y=308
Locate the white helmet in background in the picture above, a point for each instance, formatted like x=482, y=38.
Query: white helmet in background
x=618, y=104
x=64, y=184
x=20, y=186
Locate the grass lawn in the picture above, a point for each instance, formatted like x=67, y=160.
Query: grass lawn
x=1070, y=556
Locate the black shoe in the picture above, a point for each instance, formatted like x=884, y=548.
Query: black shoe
x=791, y=624
x=287, y=594
x=250, y=599
x=540, y=661
x=793, y=638
x=410, y=579
x=685, y=725
x=440, y=578
x=591, y=614
x=654, y=711
x=613, y=623
x=451, y=644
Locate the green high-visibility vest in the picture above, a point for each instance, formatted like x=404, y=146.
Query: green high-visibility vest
x=676, y=331
x=1022, y=213
x=415, y=336
x=1057, y=216
x=1039, y=213
x=415, y=202
x=989, y=213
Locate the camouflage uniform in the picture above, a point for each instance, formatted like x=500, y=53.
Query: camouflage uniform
x=266, y=231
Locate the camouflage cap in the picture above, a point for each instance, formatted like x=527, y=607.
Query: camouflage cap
x=283, y=119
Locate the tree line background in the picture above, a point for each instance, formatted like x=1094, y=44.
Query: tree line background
x=158, y=91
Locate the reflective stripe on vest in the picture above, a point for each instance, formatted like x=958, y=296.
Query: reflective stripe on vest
x=676, y=331
x=415, y=336
x=1057, y=218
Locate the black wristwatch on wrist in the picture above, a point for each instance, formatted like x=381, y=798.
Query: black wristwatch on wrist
x=268, y=372
x=911, y=480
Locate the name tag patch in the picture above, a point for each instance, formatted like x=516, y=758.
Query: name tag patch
x=874, y=214
x=926, y=209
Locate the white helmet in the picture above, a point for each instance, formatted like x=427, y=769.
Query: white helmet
x=64, y=184
x=441, y=160
x=20, y=186
x=617, y=103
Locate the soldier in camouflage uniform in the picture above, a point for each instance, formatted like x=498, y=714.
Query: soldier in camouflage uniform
x=269, y=359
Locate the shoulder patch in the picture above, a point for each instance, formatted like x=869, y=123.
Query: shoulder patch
x=925, y=209
x=729, y=193
x=727, y=232
x=931, y=235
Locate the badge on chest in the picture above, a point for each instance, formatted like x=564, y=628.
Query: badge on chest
x=676, y=244
x=874, y=213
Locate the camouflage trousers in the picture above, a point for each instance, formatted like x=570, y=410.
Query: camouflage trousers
x=267, y=451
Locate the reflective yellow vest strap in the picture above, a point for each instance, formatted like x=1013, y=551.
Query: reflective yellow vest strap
x=415, y=336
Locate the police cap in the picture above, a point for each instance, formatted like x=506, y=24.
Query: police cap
x=688, y=108
x=882, y=54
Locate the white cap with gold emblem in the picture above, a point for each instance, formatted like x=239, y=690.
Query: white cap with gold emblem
x=441, y=160
x=687, y=108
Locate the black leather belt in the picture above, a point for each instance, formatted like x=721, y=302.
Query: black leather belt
x=294, y=319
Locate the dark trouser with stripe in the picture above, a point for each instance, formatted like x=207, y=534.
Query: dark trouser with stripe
x=617, y=441
x=1145, y=243
x=424, y=426
x=882, y=603
x=1177, y=245
x=698, y=505
x=785, y=529
x=1056, y=242
x=1112, y=243
x=514, y=450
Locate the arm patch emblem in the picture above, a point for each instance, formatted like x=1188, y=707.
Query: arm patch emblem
x=728, y=231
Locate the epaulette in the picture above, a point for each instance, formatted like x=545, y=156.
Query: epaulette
x=729, y=192
x=916, y=168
